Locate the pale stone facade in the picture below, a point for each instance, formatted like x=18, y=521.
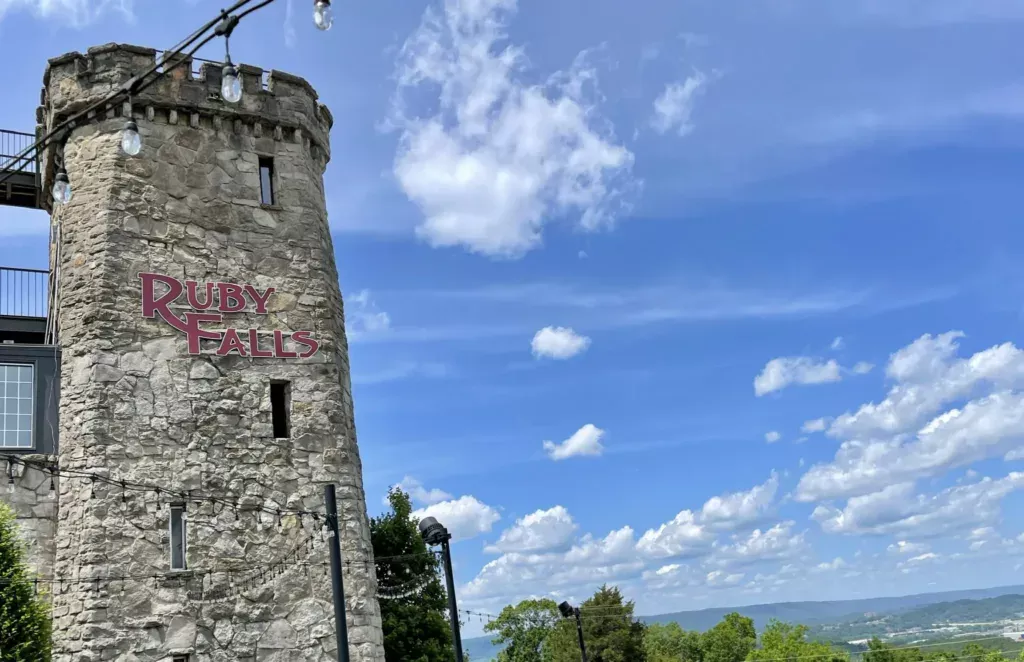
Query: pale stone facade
x=136, y=405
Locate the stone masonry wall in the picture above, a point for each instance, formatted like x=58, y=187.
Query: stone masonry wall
x=135, y=405
x=35, y=508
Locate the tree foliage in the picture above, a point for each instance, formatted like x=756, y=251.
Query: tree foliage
x=784, y=641
x=731, y=640
x=24, y=618
x=669, y=642
x=610, y=632
x=523, y=628
x=416, y=627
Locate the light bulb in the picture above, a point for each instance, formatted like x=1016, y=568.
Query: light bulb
x=231, y=84
x=62, y=188
x=10, y=486
x=323, y=15
x=131, y=141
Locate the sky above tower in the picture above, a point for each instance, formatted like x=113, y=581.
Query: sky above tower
x=717, y=301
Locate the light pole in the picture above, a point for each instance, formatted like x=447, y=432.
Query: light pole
x=434, y=534
x=567, y=611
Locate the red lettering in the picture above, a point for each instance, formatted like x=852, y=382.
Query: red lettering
x=279, y=350
x=190, y=327
x=254, y=348
x=259, y=299
x=193, y=298
x=151, y=305
x=229, y=292
x=304, y=338
x=231, y=343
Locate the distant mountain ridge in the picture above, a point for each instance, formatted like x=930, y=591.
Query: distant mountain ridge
x=811, y=613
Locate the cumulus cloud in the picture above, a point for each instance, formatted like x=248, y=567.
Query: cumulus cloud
x=363, y=316
x=499, y=158
x=897, y=510
x=904, y=547
x=986, y=427
x=558, y=343
x=541, y=531
x=420, y=494
x=772, y=436
x=465, y=517
x=674, y=106
x=684, y=536
x=785, y=371
x=816, y=425
x=584, y=442
x=730, y=511
x=837, y=344
x=862, y=368
x=778, y=542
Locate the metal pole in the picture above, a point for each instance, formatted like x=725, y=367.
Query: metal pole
x=579, y=631
x=453, y=608
x=340, y=626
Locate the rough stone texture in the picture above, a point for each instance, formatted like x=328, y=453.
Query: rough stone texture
x=35, y=508
x=136, y=406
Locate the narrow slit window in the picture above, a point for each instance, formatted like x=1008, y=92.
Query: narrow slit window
x=280, y=403
x=179, y=658
x=179, y=543
x=266, y=180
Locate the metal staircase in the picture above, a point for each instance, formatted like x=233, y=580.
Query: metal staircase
x=20, y=181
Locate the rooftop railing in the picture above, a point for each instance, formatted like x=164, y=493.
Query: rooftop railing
x=13, y=143
x=24, y=292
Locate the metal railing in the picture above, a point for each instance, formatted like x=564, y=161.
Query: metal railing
x=13, y=143
x=24, y=292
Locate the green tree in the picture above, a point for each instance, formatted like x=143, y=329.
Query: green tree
x=669, y=642
x=413, y=604
x=731, y=640
x=880, y=652
x=523, y=628
x=784, y=641
x=609, y=630
x=24, y=618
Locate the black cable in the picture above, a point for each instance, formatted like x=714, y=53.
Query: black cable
x=139, y=83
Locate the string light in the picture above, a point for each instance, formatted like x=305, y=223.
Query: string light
x=323, y=15
x=62, y=188
x=131, y=142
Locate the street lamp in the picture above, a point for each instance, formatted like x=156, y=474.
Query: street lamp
x=567, y=611
x=434, y=534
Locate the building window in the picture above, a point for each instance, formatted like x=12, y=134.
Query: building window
x=267, y=180
x=179, y=535
x=17, y=405
x=280, y=403
x=179, y=658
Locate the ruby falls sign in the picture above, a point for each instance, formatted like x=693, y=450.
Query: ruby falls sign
x=222, y=298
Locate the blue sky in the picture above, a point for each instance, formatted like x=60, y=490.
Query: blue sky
x=666, y=238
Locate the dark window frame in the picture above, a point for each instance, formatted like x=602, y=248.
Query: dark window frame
x=268, y=198
x=182, y=512
x=281, y=408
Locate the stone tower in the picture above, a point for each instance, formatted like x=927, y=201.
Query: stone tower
x=203, y=350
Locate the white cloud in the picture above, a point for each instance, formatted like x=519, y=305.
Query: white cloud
x=541, y=531
x=778, y=542
x=75, y=13
x=558, y=343
x=835, y=564
x=685, y=536
x=420, y=494
x=784, y=371
x=499, y=158
x=730, y=511
x=584, y=442
x=816, y=425
x=721, y=578
x=897, y=510
x=904, y=547
x=465, y=517
x=362, y=315
x=772, y=436
x=986, y=427
x=862, y=368
x=928, y=376
x=674, y=106
x=837, y=344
